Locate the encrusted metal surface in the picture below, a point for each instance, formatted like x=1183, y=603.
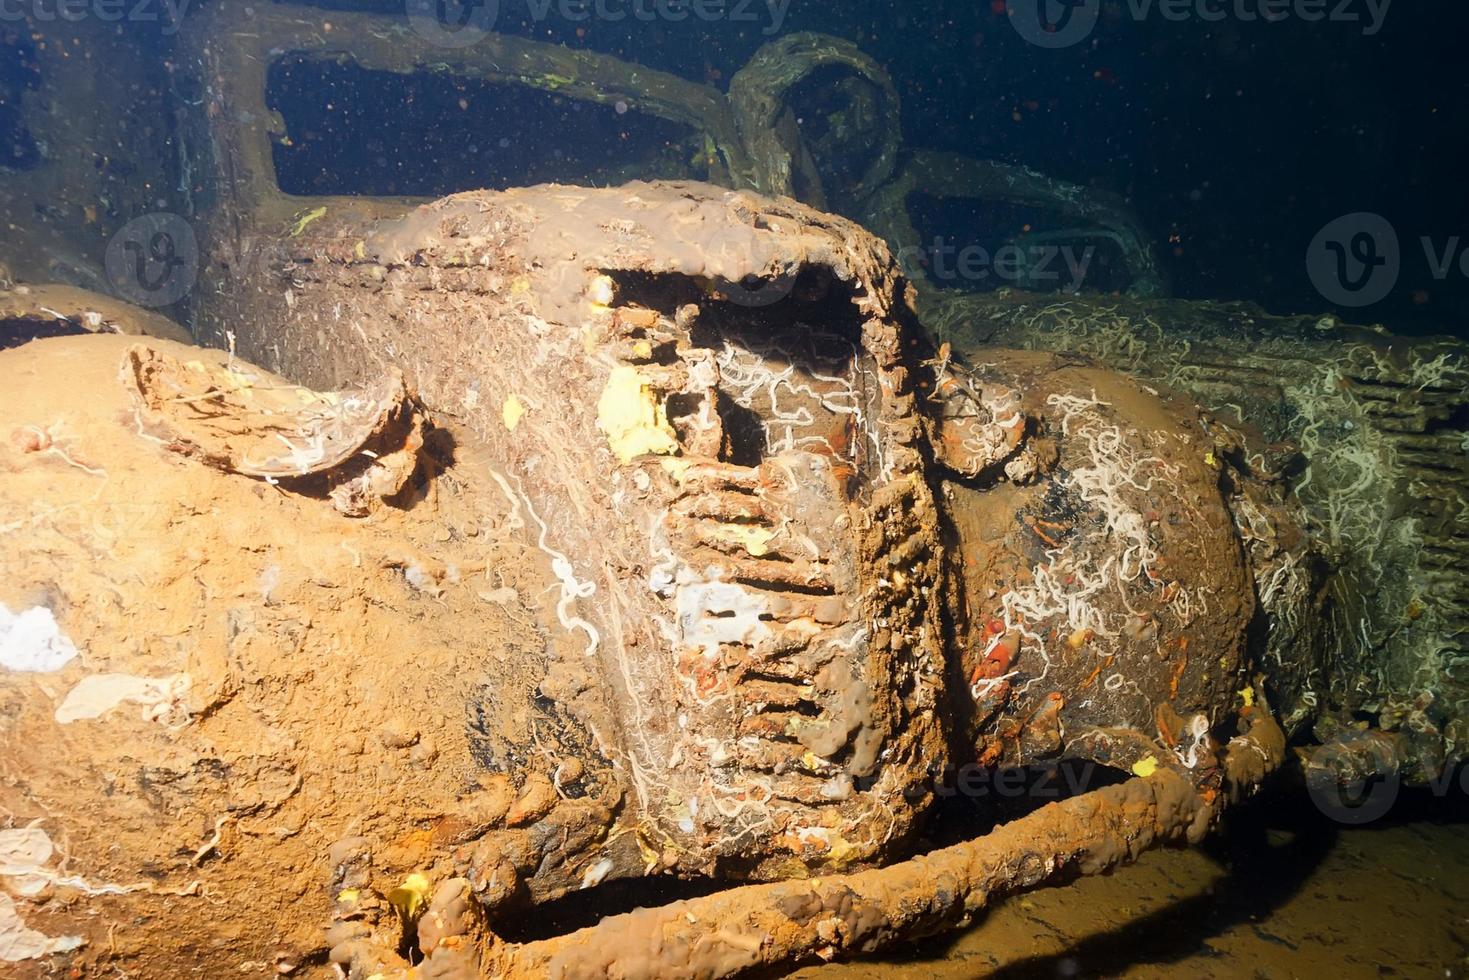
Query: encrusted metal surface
x=1101, y=588
x=1361, y=438
x=725, y=475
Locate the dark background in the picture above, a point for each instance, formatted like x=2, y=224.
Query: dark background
x=1235, y=141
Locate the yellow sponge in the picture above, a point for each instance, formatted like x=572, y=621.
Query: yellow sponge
x=632, y=417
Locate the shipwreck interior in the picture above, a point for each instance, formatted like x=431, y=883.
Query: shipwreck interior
x=566, y=490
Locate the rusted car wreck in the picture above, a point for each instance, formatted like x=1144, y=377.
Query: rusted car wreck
x=514, y=544
x=780, y=595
